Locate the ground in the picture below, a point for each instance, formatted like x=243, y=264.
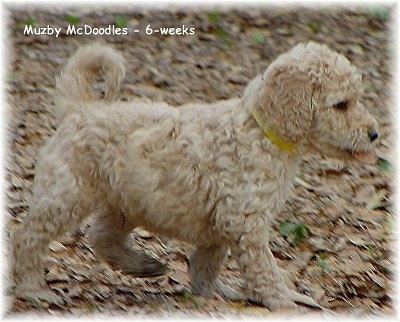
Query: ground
x=334, y=237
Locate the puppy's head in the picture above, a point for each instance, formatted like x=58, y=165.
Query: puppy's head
x=311, y=96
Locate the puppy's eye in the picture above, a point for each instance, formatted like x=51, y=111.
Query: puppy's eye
x=341, y=105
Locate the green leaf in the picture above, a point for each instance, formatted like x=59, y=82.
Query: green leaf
x=224, y=36
x=258, y=38
x=186, y=297
x=321, y=257
x=384, y=165
x=31, y=22
x=382, y=14
x=72, y=19
x=297, y=231
x=314, y=26
x=213, y=16
x=286, y=228
x=120, y=22
x=300, y=232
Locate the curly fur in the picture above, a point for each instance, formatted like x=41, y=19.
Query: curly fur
x=204, y=174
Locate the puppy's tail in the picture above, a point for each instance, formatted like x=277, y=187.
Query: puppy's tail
x=74, y=87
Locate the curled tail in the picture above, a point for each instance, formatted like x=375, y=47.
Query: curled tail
x=74, y=87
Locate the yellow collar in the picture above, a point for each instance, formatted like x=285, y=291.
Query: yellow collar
x=281, y=143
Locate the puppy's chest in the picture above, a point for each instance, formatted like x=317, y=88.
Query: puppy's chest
x=260, y=180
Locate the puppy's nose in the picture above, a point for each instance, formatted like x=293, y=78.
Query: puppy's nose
x=373, y=135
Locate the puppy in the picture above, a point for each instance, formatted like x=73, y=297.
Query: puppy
x=212, y=175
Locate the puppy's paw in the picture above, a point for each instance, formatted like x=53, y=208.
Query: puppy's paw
x=37, y=296
x=303, y=299
x=288, y=300
x=220, y=291
x=142, y=266
x=153, y=267
x=279, y=303
x=231, y=292
x=275, y=299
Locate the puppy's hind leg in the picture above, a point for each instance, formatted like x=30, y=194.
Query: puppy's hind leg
x=56, y=208
x=205, y=266
x=110, y=238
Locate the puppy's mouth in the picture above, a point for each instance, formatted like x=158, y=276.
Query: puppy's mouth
x=364, y=156
x=367, y=157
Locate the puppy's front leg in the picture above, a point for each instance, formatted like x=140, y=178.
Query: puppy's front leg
x=265, y=284
x=205, y=266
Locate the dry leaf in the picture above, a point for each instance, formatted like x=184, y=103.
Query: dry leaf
x=57, y=274
x=355, y=268
x=143, y=233
x=376, y=200
x=377, y=279
x=55, y=247
x=179, y=276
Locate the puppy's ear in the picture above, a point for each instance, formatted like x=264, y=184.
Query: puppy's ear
x=286, y=96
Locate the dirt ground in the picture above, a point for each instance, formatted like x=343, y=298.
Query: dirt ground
x=335, y=235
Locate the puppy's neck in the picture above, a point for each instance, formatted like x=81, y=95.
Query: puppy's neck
x=282, y=143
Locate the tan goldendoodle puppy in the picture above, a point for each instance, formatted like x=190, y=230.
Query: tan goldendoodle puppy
x=212, y=175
